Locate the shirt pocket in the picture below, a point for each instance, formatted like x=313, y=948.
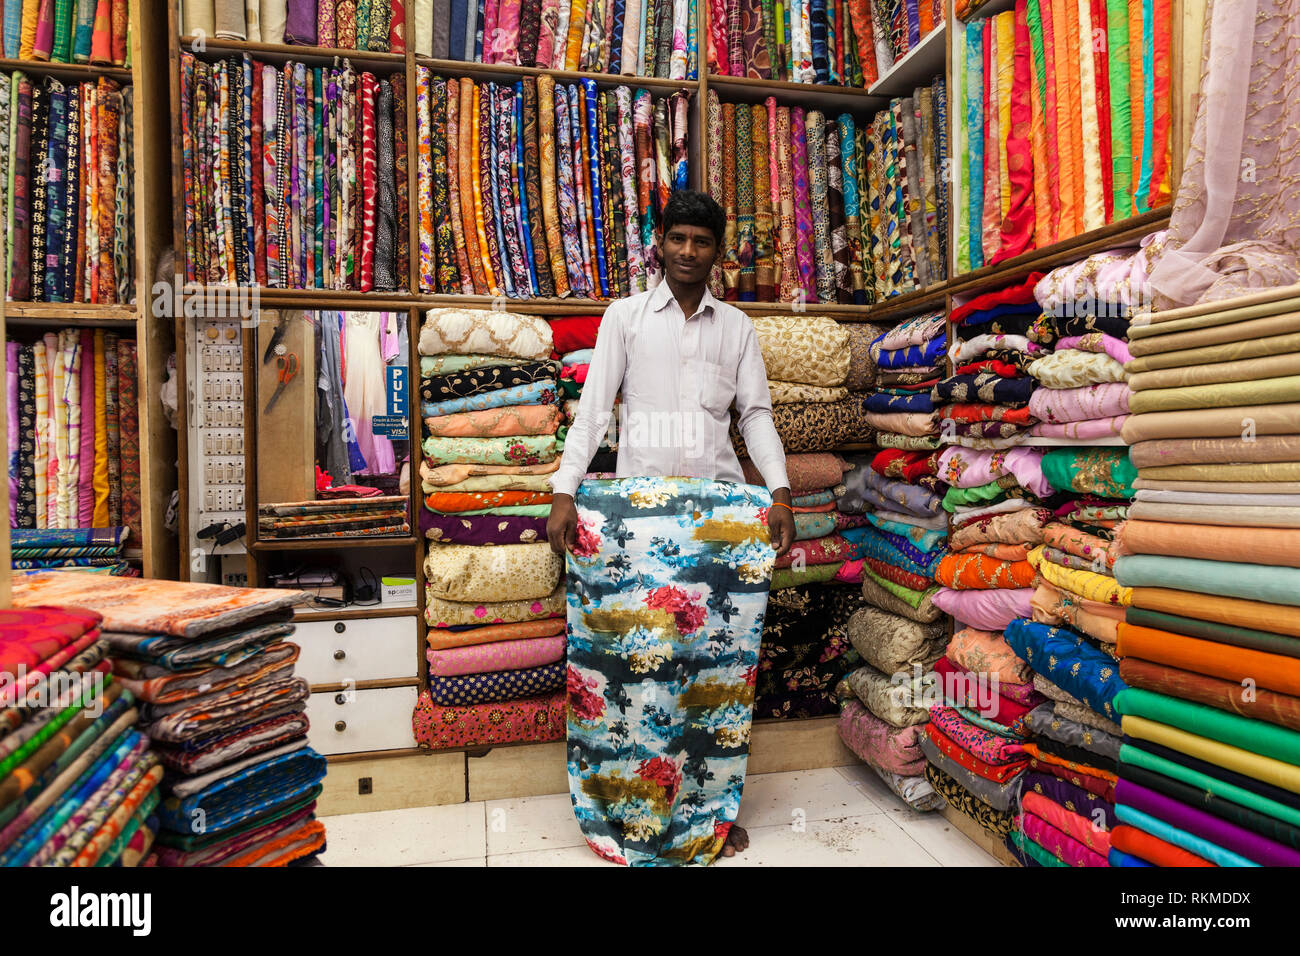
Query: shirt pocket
x=717, y=387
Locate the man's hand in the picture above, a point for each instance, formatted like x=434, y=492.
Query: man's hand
x=780, y=522
x=562, y=525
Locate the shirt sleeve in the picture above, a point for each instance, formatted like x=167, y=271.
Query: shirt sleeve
x=754, y=406
x=604, y=378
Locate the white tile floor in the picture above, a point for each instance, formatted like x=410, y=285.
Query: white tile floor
x=831, y=817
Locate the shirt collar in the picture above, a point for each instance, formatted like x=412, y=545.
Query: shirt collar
x=662, y=295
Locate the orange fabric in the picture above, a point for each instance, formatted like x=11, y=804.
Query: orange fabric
x=1039, y=754
x=1257, y=615
x=975, y=572
x=468, y=157
x=1066, y=149
x=813, y=509
x=450, y=502
x=1273, y=671
x=1000, y=550
x=1160, y=171
x=440, y=638
x=1144, y=846
x=496, y=422
x=1136, y=84
x=300, y=842
x=1072, y=172
x=1248, y=545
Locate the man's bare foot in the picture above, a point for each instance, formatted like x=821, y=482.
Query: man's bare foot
x=737, y=841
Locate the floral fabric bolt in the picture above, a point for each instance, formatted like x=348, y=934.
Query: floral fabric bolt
x=667, y=590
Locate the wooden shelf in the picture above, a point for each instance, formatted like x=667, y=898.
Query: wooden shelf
x=354, y=612
x=531, y=306
x=384, y=684
x=920, y=64
x=504, y=71
x=814, y=95
x=318, y=55
x=73, y=314
x=330, y=544
x=70, y=71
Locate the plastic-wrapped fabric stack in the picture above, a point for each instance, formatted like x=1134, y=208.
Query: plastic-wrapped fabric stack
x=985, y=402
x=1209, y=768
x=495, y=594
x=908, y=362
x=223, y=711
x=78, y=782
x=805, y=649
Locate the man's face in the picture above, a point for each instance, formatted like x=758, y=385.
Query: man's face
x=689, y=253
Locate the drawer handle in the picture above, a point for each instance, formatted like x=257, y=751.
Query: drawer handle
x=340, y=655
x=340, y=725
x=339, y=627
x=340, y=699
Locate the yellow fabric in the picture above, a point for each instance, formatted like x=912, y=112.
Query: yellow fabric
x=1066, y=150
x=1094, y=207
x=1006, y=52
x=1069, y=50
x=1243, y=471
x=1265, y=391
x=1086, y=584
x=1256, y=766
x=27, y=35
x=100, y=476
x=573, y=44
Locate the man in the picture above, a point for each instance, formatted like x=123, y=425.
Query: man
x=681, y=359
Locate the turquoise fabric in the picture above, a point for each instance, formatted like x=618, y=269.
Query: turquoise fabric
x=1253, y=582
x=1181, y=838
x=974, y=196
x=534, y=393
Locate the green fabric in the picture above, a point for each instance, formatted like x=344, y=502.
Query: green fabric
x=431, y=365
x=768, y=10
x=1253, y=582
x=61, y=52
x=42, y=736
x=1265, y=391
x=491, y=451
x=957, y=96
x=1213, y=631
x=1029, y=848
x=1121, y=122
x=525, y=511
x=913, y=598
x=811, y=574
x=147, y=806
x=992, y=726
x=1129, y=754
x=1107, y=472
x=955, y=498
x=1256, y=736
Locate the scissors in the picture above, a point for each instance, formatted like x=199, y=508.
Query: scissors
x=288, y=368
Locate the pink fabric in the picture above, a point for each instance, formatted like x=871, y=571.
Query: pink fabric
x=983, y=744
x=850, y=572
x=1097, y=342
x=1061, y=845
x=1057, y=405
x=86, y=474
x=987, y=652
x=988, y=610
x=1090, y=430
x=1073, y=825
x=971, y=468
x=497, y=656
x=915, y=331
x=896, y=749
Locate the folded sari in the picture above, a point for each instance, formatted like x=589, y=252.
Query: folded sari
x=1000, y=773
x=1196, y=831
x=1087, y=584
x=1281, y=709
x=1254, y=582
x=1079, y=828
x=880, y=744
x=1150, y=848
x=239, y=797
x=1068, y=661
x=968, y=571
x=1258, y=640
x=1246, y=762
x=990, y=610
x=1060, y=845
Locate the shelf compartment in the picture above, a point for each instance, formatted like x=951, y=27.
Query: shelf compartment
x=916, y=67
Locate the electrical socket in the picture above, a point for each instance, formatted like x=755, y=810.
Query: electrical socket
x=235, y=579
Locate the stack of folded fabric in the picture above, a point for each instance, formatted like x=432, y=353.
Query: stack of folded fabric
x=908, y=362
x=78, y=783
x=985, y=402
x=379, y=26
x=221, y=708
x=1067, y=801
x=74, y=436
x=575, y=343
x=1082, y=396
x=86, y=549
x=495, y=598
x=375, y=516
x=654, y=38
x=1210, y=769
x=319, y=198
x=1090, y=140
x=538, y=189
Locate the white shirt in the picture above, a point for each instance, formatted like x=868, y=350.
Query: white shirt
x=678, y=377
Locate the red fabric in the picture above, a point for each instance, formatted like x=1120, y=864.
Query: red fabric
x=576, y=372
x=29, y=636
x=989, y=365
x=1022, y=293
x=911, y=466
x=828, y=550
x=1154, y=850
x=1017, y=232
x=987, y=413
x=397, y=28
x=1009, y=713
x=891, y=572
x=1101, y=70
x=574, y=332
x=960, y=755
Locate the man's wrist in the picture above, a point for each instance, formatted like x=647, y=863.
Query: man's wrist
x=781, y=496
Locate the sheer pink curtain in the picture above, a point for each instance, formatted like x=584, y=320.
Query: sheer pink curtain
x=1236, y=222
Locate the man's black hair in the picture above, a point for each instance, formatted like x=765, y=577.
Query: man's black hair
x=688, y=207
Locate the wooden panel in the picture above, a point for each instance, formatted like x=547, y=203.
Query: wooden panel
x=528, y=771
x=780, y=745
x=979, y=836
x=395, y=783
x=286, y=458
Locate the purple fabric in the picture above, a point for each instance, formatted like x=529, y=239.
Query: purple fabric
x=300, y=22
x=1206, y=826
x=86, y=476
x=11, y=387
x=481, y=529
x=1075, y=799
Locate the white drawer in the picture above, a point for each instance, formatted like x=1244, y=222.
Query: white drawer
x=378, y=719
x=369, y=648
